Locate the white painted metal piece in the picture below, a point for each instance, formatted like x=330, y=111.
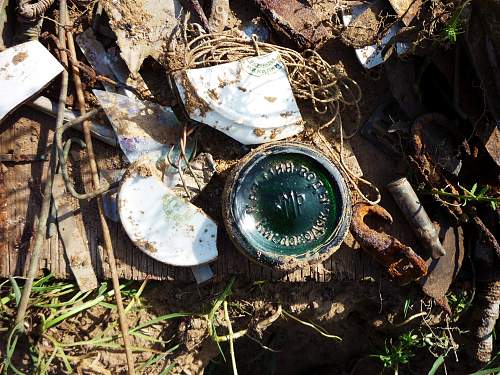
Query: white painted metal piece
x=371, y=56
x=250, y=100
x=141, y=127
x=164, y=226
x=25, y=69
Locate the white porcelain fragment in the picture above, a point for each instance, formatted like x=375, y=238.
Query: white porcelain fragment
x=371, y=56
x=250, y=100
x=141, y=127
x=143, y=28
x=25, y=69
x=164, y=226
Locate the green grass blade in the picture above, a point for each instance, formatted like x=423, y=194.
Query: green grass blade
x=159, y=319
x=437, y=364
x=487, y=371
x=16, y=289
x=167, y=369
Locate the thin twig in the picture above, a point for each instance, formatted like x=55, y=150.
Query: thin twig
x=45, y=209
x=231, y=340
x=104, y=225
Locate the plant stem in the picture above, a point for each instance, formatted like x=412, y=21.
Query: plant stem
x=460, y=196
x=47, y=193
x=104, y=225
x=231, y=341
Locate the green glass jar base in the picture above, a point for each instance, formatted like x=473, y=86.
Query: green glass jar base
x=286, y=205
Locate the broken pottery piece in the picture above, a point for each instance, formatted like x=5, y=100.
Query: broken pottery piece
x=250, y=100
x=203, y=166
x=371, y=56
x=109, y=64
x=141, y=127
x=25, y=69
x=142, y=28
x=164, y=226
x=97, y=57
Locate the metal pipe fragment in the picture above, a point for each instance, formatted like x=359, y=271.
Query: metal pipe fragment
x=408, y=202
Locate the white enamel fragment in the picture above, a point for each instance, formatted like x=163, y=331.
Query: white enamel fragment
x=141, y=127
x=25, y=69
x=250, y=100
x=164, y=226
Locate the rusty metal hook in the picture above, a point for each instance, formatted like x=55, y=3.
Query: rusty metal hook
x=400, y=261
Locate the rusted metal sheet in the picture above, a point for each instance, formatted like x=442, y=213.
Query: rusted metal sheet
x=74, y=243
x=400, y=261
x=442, y=271
x=297, y=20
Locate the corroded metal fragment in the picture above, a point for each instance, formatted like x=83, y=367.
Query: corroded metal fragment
x=400, y=261
x=297, y=20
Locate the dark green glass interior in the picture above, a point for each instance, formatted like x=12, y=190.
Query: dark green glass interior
x=286, y=203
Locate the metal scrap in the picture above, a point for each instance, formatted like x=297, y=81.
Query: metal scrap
x=400, y=261
x=443, y=271
x=101, y=132
x=297, y=20
x=414, y=212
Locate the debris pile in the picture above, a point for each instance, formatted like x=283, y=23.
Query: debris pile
x=165, y=88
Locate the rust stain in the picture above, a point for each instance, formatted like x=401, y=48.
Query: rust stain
x=259, y=132
x=213, y=94
x=270, y=99
x=19, y=57
x=146, y=245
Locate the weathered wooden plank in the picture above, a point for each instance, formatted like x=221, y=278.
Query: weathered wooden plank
x=23, y=200
x=75, y=246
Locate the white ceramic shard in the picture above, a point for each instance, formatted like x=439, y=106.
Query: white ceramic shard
x=371, y=56
x=164, y=226
x=25, y=69
x=250, y=100
x=141, y=127
x=143, y=28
